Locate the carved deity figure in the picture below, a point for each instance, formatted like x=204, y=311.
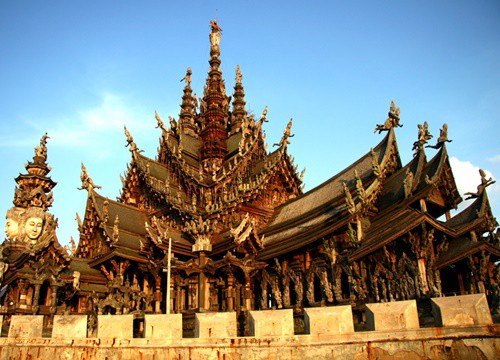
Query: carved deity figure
x=41, y=150
x=130, y=141
x=391, y=122
x=161, y=125
x=13, y=223
x=408, y=183
x=33, y=226
x=76, y=280
x=87, y=182
x=423, y=136
x=187, y=77
x=215, y=33
x=443, y=137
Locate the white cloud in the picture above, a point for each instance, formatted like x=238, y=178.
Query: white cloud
x=89, y=125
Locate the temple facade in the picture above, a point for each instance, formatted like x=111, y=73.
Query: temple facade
x=217, y=222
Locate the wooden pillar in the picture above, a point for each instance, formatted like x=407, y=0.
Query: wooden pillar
x=36, y=296
x=202, y=284
x=158, y=295
x=423, y=206
x=229, y=293
x=23, y=290
x=53, y=298
x=172, y=287
x=423, y=274
x=247, y=295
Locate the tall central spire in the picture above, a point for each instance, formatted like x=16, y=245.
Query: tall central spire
x=214, y=105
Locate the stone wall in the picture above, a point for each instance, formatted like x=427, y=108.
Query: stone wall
x=330, y=335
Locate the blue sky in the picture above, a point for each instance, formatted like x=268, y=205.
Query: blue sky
x=81, y=70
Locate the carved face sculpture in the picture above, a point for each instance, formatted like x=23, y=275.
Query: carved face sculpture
x=33, y=227
x=11, y=228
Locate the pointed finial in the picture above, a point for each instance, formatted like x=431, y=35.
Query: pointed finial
x=239, y=76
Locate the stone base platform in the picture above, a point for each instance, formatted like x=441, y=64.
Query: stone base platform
x=465, y=342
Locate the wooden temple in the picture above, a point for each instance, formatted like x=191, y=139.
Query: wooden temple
x=241, y=233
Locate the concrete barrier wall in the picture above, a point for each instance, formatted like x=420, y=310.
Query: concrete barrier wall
x=323, y=321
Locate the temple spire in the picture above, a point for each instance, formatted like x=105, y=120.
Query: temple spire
x=239, y=111
x=214, y=107
x=35, y=187
x=188, y=107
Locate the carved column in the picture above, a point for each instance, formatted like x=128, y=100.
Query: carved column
x=158, y=295
x=23, y=289
x=229, y=293
x=202, y=284
x=247, y=292
x=53, y=298
x=36, y=297
x=172, y=289
x=423, y=275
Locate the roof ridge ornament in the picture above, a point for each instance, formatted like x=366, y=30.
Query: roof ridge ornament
x=392, y=121
x=130, y=142
x=161, y=124
x=87, y=182
x=286, y=134
x=481, y=187
x=443, y=138
x=423, y=136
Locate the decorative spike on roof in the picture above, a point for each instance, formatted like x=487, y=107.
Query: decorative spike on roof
x=188, y=107
x=286, y=134
x=239, y=111
x=130, y=142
